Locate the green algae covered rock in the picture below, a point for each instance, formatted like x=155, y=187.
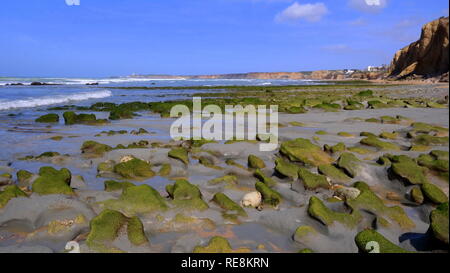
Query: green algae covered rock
x=134, y=169
x=228, y=179
x=302, y=150
x=269, y=196
x=429, y=140
x=408, y=170
x=180, y=154
x=432, y=163
x=255, y=162
x=313, y=181
x=349, y=163
x=305, y=250
x=379, y=144
x=106, y=226
x=335, y=174
x=218, y=244
x=387, y=135
x=302, y=232
x=23, y=177
x=286, y=168
x=364, y=238
x=71, y=118
x=185, y=194
x=425, y=128
x=417, y=195
x=165, y=170
x=52, y=181
x=439, y=223
x=8, y=193
x=366, y=93
x=137, y=199
x=228, y=205
x=367, y=134
x=111, y=185
x=94, y=148
x=326, y=216
x=369, y=201
x=434, y=193
x=49, y=118
x=263, y=178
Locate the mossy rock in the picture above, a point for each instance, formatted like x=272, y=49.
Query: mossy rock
x=335, y=174
x=302, y=150
x=369, y=201
x=417, y=195
x=426, y=128
x=408, y=170
x=165, y=170
x=419, y=148
x=52, y=181
x=379, y=144
x=8, y=193
x=428, y=140
x=376, y=104
x=111, y=185
x=440, y=155
x=71, y=118
x=228, y=205
x=434, y=193
x=255, y=162
x=363, y=239
x=313, y=181
x=433, y=163
x=263, y=178
x=326, y=216
x=365, y=93
x=137, y=199
x=338, y=148
x=384, y=161
x=373, y=120
x=106, y=227
x=349, y=163
x=95, y=148
x=269, y=196
x=218, y=244
x=391, y=136
x=134, y=169
x=23, y=177
x=228, y=179
x=367, y=134
x=231, y=162
x=439, y=223
x=305, y=251
x=436, y=105
x=49, y=118
x=187, y=195
x=180, y=154
x=48, y=154
x=345, y=134
x=360, y=150
x=302, y=232
x=286, y=168
x=106, y=167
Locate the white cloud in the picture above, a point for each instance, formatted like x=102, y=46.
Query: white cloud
x=368, y=5
x=308, y=12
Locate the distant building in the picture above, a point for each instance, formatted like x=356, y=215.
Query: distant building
x=376, y=68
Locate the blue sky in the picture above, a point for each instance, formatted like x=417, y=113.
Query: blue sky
x=115, y=37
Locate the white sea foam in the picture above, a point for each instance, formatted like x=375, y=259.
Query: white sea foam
x=48, y=100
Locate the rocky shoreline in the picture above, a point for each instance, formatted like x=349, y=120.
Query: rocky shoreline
x=353, y=166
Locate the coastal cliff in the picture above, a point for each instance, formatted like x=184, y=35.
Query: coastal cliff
x=427, y=57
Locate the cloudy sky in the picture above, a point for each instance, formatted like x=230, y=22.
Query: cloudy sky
x=117, y=37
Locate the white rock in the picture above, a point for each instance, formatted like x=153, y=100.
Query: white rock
x=252, y=199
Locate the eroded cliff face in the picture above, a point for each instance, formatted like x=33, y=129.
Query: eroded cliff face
x=427, y=57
